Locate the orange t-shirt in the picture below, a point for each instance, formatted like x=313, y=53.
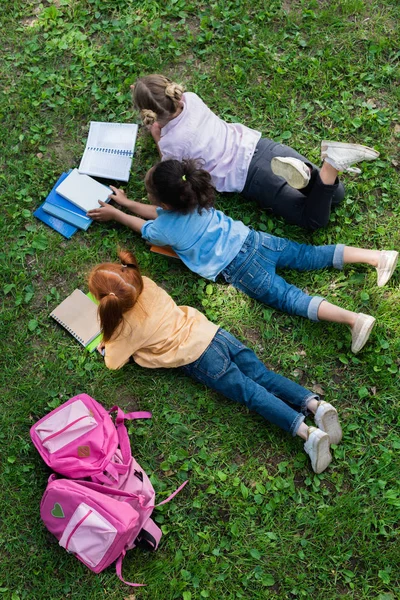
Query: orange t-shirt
x=158, y=333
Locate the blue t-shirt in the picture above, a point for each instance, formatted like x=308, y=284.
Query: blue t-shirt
x=205, y=242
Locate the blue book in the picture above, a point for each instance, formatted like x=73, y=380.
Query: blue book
x=66, y=215
x=62, y=227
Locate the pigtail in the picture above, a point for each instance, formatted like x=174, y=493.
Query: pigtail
x=116, y=287
x=182, y=185
x=198, y=189
x=149, y=117
x=174, y=91
x=158, y=95
x=110, y=314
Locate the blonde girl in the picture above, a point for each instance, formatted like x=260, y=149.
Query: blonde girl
x=238, y=159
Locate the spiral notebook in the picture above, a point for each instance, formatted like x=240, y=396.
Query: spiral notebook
x=78, y=315
x=109, y=150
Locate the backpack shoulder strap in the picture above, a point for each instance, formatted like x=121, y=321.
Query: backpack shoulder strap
x=123, y=437
x=118, y=568
x=149, y=536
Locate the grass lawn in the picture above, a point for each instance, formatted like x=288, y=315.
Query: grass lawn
x=255, y=521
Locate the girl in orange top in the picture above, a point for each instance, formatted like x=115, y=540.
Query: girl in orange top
x=140, y=320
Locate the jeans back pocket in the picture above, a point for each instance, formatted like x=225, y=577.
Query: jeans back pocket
x=212, y=364
x=254, y=279
x=271, y=242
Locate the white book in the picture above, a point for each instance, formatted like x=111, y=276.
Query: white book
x=83, y=191
x=109, y=150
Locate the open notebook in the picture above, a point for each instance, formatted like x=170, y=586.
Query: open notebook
x=109, y=150
x=78, y=315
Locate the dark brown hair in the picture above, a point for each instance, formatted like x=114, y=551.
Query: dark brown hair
x=182, y=185
x=117, y=287
x=157, y=98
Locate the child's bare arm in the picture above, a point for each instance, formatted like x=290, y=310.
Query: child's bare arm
x=147, y=211
x=105, y=212
x=155, y=131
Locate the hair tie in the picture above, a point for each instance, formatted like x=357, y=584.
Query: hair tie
x=183, y=177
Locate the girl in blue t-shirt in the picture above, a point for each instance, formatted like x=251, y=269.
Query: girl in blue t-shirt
x=212, y=244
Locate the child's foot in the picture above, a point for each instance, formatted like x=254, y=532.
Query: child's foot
x=317, y=447
x=326, y=418
x=341, y=156
x=295, y=171
x=386, y=266
x=360, y=332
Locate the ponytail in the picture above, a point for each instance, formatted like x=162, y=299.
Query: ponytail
x=182, y=185
x=149, y=117
x=157, y=98
x=117, y=288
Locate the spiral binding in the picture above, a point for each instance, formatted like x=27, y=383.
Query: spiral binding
x=68, y=329
x=112, y=151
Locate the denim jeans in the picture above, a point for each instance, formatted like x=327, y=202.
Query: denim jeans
x=253, y=271
x=309, y=207
x=232, y=369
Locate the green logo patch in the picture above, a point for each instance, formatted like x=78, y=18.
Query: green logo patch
x=57, y=511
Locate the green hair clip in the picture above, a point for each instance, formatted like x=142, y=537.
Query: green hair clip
x=183, y=177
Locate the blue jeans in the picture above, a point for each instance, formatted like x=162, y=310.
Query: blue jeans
x=253, y=271
x=232, y=369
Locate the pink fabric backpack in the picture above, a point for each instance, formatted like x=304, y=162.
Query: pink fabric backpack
x=97, y=520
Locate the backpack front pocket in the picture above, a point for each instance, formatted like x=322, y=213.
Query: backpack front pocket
x=88, y=535
x=65, y=426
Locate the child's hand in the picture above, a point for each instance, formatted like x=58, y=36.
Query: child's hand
x=105, y=212
x=101, y=348
x=119, y=196
x=155, y=131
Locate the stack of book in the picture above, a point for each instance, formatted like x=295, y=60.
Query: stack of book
x=108, y=154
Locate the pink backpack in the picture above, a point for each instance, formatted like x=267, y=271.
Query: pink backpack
x=97, y=520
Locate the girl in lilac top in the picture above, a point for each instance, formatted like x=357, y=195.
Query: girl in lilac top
x=212, y=244
x=239, y=160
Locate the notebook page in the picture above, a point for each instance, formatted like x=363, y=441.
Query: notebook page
x=115, y=136
x=103, y=164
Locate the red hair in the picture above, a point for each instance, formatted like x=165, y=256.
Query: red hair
x=117, y=287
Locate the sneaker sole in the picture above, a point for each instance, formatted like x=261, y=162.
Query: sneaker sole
x=329, y=422
x=364, y=335
x=323, y=457
x=371, y=154
x=293, y=177
x=388, y=275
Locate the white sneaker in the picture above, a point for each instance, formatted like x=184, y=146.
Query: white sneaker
x=317, y=448
x=295, y=171
x=387, y=264
x=361, y=331
x=326, y=418
x=341, y=156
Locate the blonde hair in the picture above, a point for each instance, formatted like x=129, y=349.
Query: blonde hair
x=157, y=98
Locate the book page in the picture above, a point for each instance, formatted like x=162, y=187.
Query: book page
x=103, y=164
x=114, y=136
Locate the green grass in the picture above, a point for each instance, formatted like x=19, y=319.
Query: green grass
x=254, y=521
